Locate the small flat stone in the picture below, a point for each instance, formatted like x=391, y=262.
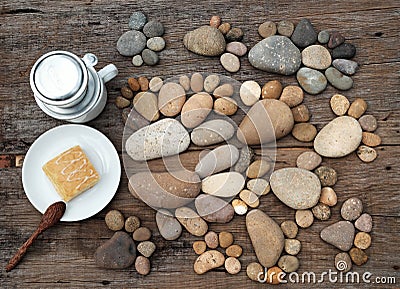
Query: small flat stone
x=132, y=223
x=153, y=29
x=255, y=271
x=230, y=62
x=288, y=263
x=232, y=265
x=273, y=274
x=301, y=113
x=155, y=84
x=168, y=225
x=351, y=209
x=308, y=160
x=323, y=36
x=311, y=80
x=364, y=223
x=192, y=222
x=196, y=109
x=122, y=102
x=133, y=84
x=137, y=60
x=171, y=98
x=142, y=265
x=339, y=104
x=292, y=246
x=145, y=103
x=224, y=90
x=250, y=198
x=237, y=48
x=345, y=66
x=267, y=29
x=141, y=234
x=114, y=220
x=358, y=256
x=272, y=89
x=250, y=92
x=304, y=218
x=207, y=261
x=370, y=139
x=258, y=168
x=338, y=138
x=225, y=239
x=150, y=57
x=215, y=21
x=223, y=185
x=321, y=212
x=234, y=34
x=343, y=262
x=214, y=209
x=184, y=81
x=357, y=108
x=205, y=40
x=144, y=83
x=345, y=50
x=225, y=106
x=127, y=92
x=327, y=176
x=366, y=154
x=296, y=188
x=304, y=34
x=289, y=229
x=137, y=20
x=146, y=248
x=285, y=28
x=316, y=56
x=131, y=43
x=212, y=132
x=328, y=196
x=197, y=82
x=199, y=247
x=245, y=157
x=368, y=122
x=259, y=186
x=224, y=28
x=304, y=132
x=211, y=239
x=362, y=240
x=340, y=235
x=156, y=43
x=292, y=95
x=335, y=39
x=240, y=207
x=211, y=83
x=338, y=79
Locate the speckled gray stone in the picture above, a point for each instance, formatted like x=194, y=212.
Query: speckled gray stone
x=340, y=235
x=150, y=57
x=345, y=66
x=137, y=60
x=245, y=158
x=338, y=79
x=131, y=43
x=304, y=34
x=311, y=80
x=156, y=43
x=351, y=209
x=137, y=20
x=323, y=37
x=153, y=29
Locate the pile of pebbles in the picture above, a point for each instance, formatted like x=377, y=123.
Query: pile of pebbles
x=302, y=50
x=143, y=41
x=120, y=251
x=218, y=39
x=227, y=180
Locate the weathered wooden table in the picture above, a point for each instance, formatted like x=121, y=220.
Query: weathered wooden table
x=63, y=256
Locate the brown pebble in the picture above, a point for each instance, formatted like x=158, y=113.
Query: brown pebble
x=304, y=132
x=267, y=29
x=328, y=196
x=339, y=104
x=250, y=198
x=275, y=275
x=368, y=122
x=142, y=265
x=292, y=246
x=126, y=92
x=184, y=81
x=114, y=220
x=289, y=229
x=272, y=89
x=235, y=34
x=343, y=262
x=292, y=95
x=366, y=154
x=141, y=234
x=370, y=139
x=225, y=105
x=215, y=21
x=326, y=175
x=304, y=218
x=322, y=212
x=357, y=108
x=308, y=160
x=146, y=248
x=285, y=28
x=133, y=84
x=362, y=240
x=122, y=102
x=258, y=168
x=232, y=265
x=197, y=82
x=144, y=83
x=225, y=239
x=255, y=271
x=211, y=239
x=358, y=256
x=132, y=223
x=224, y=90
x=234, y=251
x=224, y=28
x=199, y=247
x=301, y=113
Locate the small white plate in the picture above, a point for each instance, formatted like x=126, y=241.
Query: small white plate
x=101, y=153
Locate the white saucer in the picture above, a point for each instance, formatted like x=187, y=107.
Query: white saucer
x=101, y=153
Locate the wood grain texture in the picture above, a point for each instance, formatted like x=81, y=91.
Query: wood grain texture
x=63, y=256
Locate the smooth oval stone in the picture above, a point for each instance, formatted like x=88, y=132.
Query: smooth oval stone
x=156, y=43
x=224, y=90
x=304, y=34
x=276, y=54
x=266, y=236
x=340, y=235
x=171, y=98
x=345, y=50
x=288, y=263
x=364, y=223
x=237, y=48
x=297, y=188
x=308, y=160
x=145, y=103
x=196, y=109
x=150, y=57
x=366, y=154
x=345, y=66
x=217, y=160
x=250, y=92
x=116, y=253
x=205, y=40
x=255, y=127
x=338, y=79
x=223, y=185
x=165, y=190
x=213, y=209
x=211, y=83
x=351, y=209
x=163, y=138
x=212, y=132
x=153, y=29
x=196, y=82
x=316, y=56
x=137, y=20
x=368, y=123
x=285, y=28
x=323, y=36
x=225, y=106
x=131, y=43
x=192, y=222
x=338, y=138
x=230, y=62
x=311, y=80
x=137, y=60
x=168, y=225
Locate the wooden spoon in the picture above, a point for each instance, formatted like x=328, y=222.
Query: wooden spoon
x=52, y=215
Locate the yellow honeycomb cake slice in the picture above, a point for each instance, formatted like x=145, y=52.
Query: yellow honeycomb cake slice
x=71, y=173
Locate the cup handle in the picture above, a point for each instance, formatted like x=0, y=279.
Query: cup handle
x=108, y=72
